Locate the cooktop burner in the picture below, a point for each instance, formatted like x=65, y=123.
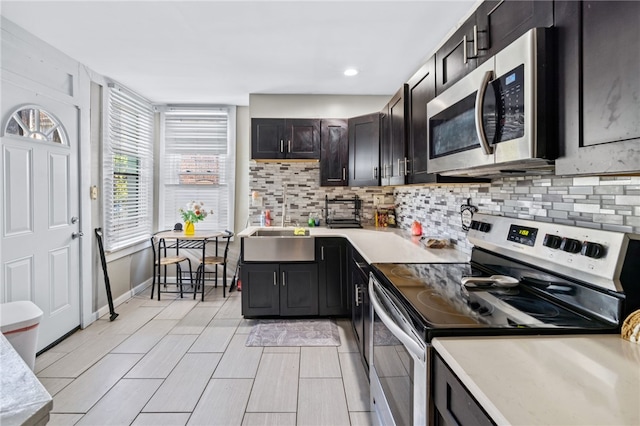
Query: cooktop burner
x=535, y=308
x=434, y=294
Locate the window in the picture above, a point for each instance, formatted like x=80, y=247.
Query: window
x=35, y=123
x=198, y=164
x=127, y=169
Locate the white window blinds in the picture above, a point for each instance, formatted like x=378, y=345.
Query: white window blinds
x=127, y=169
x=198, y=164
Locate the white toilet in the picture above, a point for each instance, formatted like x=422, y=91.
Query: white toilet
x=19, y=323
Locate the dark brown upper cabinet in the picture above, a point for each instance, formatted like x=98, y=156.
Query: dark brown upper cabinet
x=274, y=138
x=421, y=90
x=499, y=23
x=599, y=87
x=364, y=150
x=334, y=153
x=454, y=59
x=492, y=27
x=393, y=140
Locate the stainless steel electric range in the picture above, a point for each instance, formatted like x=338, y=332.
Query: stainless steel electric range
x=524, y=277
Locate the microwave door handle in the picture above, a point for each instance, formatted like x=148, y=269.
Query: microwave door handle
x=412, y=346
x=486, y=148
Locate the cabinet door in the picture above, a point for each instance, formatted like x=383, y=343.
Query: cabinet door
x=393, y=143
x=260, y=290
x=333, y=276
x=453, y=59
x=267, y=138
x=298, y=289
x=599, y=84
x=364, y=150
x=360, y=312
x=334, y=153
x=302, y=138
x=499, y=23
x=454, y=405
x=422, y=89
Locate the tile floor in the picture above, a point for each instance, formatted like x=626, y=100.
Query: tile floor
x=184, y=362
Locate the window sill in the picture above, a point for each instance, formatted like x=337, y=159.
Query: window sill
x=127, y=251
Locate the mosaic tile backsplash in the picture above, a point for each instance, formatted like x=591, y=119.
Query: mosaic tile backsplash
x=304, y=193
x=609, y=203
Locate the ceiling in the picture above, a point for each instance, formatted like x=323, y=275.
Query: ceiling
x=219, y=52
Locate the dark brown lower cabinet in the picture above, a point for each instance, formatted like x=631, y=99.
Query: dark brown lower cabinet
x=334, y=297
x=454, y=405
x=285, y=289
x=360, y=305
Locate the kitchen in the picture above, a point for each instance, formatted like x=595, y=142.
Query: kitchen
x=609, y=202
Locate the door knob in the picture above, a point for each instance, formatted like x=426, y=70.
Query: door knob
x=75, y=235
x=74, y=219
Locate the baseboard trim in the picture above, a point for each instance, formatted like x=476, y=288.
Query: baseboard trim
x=122, y=299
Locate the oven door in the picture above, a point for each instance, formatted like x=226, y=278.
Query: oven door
x=398, y=370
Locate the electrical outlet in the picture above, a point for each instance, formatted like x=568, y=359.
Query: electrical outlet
x=378, y=200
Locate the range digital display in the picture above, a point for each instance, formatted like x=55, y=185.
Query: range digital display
x=522, y=235
x=510, y=79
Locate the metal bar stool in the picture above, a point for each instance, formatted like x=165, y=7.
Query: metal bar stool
x=216, y=261
x=160, y=263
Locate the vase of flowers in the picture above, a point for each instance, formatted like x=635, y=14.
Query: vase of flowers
x=194, y=212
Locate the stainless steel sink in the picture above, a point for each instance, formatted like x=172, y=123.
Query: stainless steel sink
x=278, y=233
x=278, y=245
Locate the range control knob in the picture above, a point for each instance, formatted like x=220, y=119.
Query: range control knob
x=552, y=241
x=570, y=245
x=593, y=250
x=484, y=227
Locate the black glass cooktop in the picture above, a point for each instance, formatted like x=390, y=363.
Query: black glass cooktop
x=439, y=305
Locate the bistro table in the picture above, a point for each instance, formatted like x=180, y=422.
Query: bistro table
x=179, y=240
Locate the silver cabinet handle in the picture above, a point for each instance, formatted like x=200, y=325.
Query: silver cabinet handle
x=375, y=173
x=486, y=148
x=357, y=295
x=399, y=173
x=406, y=166
x=465, y=58
x=275, y=278
x=283, y=279
x=281, y=145
x=289, y=145
x=475, y=41
x=321, y=252
x=344, y=173
x=75, y=235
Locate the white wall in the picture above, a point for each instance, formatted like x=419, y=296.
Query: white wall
x=314, y=106
x=243, y=153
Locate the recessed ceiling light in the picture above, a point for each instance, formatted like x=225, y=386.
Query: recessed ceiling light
x=350, y=72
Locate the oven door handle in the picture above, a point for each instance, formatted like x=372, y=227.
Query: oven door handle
x=416, y=349
x=486, y=148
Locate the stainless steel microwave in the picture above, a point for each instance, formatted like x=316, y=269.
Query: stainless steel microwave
x=500, y=117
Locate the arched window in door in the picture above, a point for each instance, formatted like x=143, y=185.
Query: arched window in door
x=35, y=123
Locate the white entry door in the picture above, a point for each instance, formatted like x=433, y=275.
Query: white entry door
x=40, y=214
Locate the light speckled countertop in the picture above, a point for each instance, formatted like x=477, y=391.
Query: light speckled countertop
x=23, y=399
x=383, y=245
x=551, y=380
